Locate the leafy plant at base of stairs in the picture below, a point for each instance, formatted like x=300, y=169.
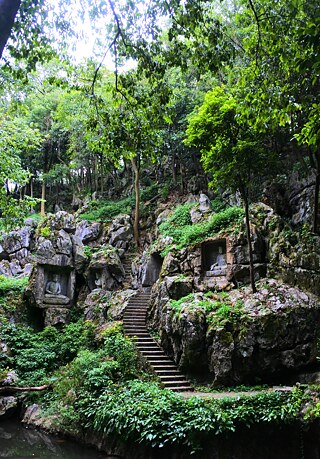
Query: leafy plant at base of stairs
x=142, y=412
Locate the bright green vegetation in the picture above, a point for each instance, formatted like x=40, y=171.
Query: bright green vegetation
x=12, y=284
x=179, y=227
x=219, y=308
x=142, y=412
x=104, y=211
x=36, y=355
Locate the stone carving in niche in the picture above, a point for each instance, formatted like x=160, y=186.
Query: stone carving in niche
x=55, y=290
x=214, y=258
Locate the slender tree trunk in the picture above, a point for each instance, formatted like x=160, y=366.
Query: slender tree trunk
x=174, y=168
x=43, y=197
x=95, y=174
x=101, y=174
x=182, y=177
x=246, y=206
x=135, y=168
x=316, y=195
x=31, y=187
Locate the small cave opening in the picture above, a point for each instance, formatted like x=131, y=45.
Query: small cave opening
x=214, y=258
x=152, y=270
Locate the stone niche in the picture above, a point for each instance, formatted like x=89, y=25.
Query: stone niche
x=55, y=286
x=98, y=279
x=214, y=258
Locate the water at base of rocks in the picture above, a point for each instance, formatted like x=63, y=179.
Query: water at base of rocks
x=17, y=442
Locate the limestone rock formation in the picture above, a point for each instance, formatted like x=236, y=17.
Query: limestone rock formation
x=242, y=339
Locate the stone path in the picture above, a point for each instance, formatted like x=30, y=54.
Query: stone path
x=134, y=323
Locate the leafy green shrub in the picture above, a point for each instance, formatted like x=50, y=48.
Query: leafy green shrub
x=149, y=192
x=13, y=284
x=179, y=227
x=218, y=204
x=144, y=413
x=105, y=211
x=45, y=231
x=36, y=355
x=218, y=306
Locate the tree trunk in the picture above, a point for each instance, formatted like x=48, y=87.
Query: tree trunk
x=31, y=187
x=136, y=171
x=43, y=198
x=8, y=12
x=101, y=174
x=316, y=196
x=246, y=205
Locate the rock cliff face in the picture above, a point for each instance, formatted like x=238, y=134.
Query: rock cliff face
x=72, y=257
x=239, y=337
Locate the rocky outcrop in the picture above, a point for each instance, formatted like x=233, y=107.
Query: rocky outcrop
x=120, y=234
x=15, y=251
x=61, y=256
x=239, y=337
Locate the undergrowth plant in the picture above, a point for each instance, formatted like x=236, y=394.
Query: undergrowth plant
x=179, y=227
x=219, y=308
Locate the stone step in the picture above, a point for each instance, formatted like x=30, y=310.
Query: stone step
x=160, y=360
x=182, y=389
x=134, y=323
x=163, y=367
x=172, y=378
x=133, y=320
x=169, y=384
x=147, y=347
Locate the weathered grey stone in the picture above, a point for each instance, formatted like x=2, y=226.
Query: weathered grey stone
x=149, y=271
x=204, y=203
x=118, y=303
x=5, y=269
x=195, y=215
x=80, y=258
x=8, y=406
x=88, y=232
x=162, y=216
x=276, y=332
x=121, y=232
x=62, y=221
x=63, y=243
x=178, y=286
x=17, y=240
x=10, y=379
x=56, y=316
x=108, y=259
x=96, y=305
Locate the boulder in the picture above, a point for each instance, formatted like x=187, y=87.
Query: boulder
x=96, y=305
x=108, y=258
x=239, y=337
x=62, y=221
x=121, y=232
x=8, y=406
x=87, y=232
x=56, y=316
x=17, y=240
x=178, y=286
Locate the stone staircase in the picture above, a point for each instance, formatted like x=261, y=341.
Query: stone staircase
x=134, y=323
x=127, y=265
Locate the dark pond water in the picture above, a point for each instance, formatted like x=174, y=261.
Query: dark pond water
x=17, y=442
